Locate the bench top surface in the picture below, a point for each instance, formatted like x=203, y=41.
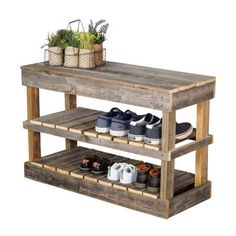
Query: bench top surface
x=134, y=76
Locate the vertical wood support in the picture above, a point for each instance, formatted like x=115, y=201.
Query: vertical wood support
x=168, y=144
x=70, y=103
x=201, y=165
x=33, y=111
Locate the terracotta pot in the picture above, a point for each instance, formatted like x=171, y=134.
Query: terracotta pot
x=55, y=56
x=71, y=58
x=86, y=58
x=98, y=54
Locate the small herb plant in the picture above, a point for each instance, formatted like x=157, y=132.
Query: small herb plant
x=72, y=39
x=99, y=30
x=55, y=39
x=87, y=40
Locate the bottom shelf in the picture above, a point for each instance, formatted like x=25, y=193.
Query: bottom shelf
x=62, y=170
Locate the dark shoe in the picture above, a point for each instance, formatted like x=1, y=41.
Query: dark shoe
x=153, y=133
x=103, y=122
x=100, y=166
x=142, y=175
x=120, y=125
x=154, y=180
x=183, y=130
x=138, y=126
x=87, y=162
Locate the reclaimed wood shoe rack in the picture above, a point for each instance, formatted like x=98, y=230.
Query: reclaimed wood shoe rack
x=163, y=90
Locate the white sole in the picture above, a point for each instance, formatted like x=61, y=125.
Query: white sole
x=137, y=138
x=152, y=141
x=119, y=133
x=102, y=130
x=184, y=135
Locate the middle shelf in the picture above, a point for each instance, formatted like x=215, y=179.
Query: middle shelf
x=79, y=124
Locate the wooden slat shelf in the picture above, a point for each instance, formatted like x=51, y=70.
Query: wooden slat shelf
x=79, y=124
x=164, y=90
x=62, y=169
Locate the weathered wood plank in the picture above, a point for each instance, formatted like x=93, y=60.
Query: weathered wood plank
x=121, y=139
x=169, y=74
x=105, y=136
x=33, y=111
x=57, y=155
x=80, y=128
x=136, y=144
x=90, y=133
x=71, y=117
x=153, y=147
x=47, y=118
x=187, y=148
x=183, y=183
x=70, y=103
x=124, y=73
x=190, y=198
x=193, y=96
x=201, y=166
x=168, y=144
x=78, y=121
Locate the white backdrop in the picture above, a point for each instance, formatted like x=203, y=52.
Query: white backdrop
x=192, y=36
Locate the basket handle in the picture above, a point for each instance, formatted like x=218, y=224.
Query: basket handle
x=79, y=22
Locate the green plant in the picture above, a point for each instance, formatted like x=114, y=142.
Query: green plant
x=86, y=40
x=71, y=39
x=55, y=39
x=99, y=33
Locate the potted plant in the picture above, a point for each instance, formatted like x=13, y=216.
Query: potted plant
x=86, y=52
x=100, y=35
x=71, y=58
x=55, y=48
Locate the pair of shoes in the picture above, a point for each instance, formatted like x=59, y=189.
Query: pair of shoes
x=138, y=127
x=148, y=176
x=115, y=121
x=97, y=165
x=124, y=172
x=149, y=129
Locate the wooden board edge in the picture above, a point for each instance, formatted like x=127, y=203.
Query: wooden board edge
x=36, y=122
x=189, y=198
x=48, y=125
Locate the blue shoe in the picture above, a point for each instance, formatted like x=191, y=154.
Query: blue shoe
x=138, y=126
x=153, y=133
x=103, y=122
x=121, y=124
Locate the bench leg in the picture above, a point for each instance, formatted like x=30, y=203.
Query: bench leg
x=201, y=166
x=70, y=103
x=168, y=143
x=33, y=111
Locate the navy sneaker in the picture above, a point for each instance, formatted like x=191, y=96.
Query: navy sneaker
x=120, y=125
x=103, y=122
x=138, y=126
x=153, y=133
